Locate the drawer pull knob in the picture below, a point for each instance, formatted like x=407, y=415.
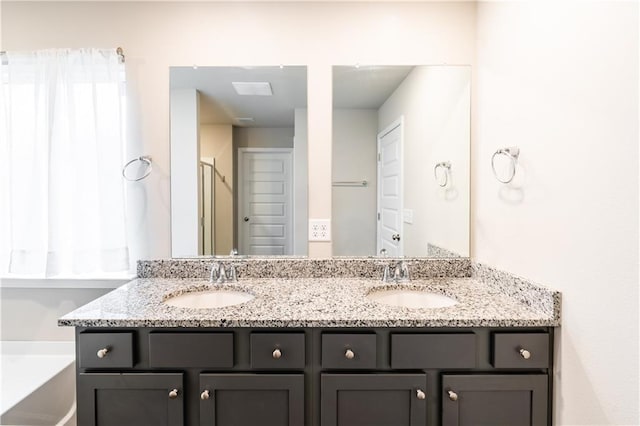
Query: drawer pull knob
x=277, y=354
x=204, y=395
x=173, y=394
x=102, y=352
x=349, y=354
x=452, y=395
x=420, y=394
x=525, y=353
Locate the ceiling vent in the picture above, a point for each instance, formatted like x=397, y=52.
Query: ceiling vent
x=252, y=88
x=245, y=119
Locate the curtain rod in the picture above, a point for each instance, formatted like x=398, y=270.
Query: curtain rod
x=119, y=52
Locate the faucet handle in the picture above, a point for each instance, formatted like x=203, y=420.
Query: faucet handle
x=232, y=273
x=404, y=271
x=386, y=274
x=215, y=272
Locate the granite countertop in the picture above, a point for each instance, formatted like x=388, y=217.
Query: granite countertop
x=316, y=302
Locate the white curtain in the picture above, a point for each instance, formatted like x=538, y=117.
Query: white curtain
x=62, y=133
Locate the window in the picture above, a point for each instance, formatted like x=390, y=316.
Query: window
x=62, y=203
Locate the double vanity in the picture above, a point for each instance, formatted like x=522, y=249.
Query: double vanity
x=299, y=341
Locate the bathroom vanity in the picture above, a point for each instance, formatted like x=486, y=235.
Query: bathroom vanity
x=317, y=351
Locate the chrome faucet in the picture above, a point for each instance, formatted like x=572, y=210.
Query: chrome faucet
x=397, y=272
x=221, y=274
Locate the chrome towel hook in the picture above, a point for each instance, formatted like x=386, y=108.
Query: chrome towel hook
x=446, y=166
x=512, y=153
x=145, y=159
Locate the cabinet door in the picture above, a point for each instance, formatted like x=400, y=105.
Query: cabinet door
x=130, y=399
x=252, y=399
x=494, y=400
x=373, y=400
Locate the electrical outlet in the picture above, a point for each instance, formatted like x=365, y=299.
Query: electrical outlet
x=319, y=230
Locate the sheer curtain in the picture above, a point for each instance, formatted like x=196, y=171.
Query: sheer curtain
x=62, y=133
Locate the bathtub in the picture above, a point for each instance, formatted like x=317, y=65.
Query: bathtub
x=37, y=383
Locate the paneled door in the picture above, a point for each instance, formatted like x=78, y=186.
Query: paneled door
x=494, y=400
x=265, y=201
x=241, y=399
x=130, y=399
x=373, y=399
x=390, y=189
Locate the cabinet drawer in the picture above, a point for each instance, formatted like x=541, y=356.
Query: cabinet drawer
x=277, y=350
x=349, y=351
x=433, y=350
x=106, y=350
x=184, y=350
x=521, y=350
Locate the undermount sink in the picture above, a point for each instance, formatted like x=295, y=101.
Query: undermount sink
x=209, y=299
x=411, y=298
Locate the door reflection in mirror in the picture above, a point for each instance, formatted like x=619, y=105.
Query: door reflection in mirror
x=404, y=210
x=218, y=204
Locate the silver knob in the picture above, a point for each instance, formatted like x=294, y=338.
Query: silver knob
x=452, y=395
x=525, y=353
x=276, y=353
x=173, y=394
x=349, y=354
x=420, y=394
x=204, y=395
x=102, y=352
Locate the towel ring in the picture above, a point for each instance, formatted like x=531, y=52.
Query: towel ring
x=446, y=165
x=145, y=159
x=512, y=153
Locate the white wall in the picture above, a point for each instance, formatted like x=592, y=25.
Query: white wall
x=301, y=183
x=216, y=141
x=435, y=103
x=185, y=186
x=155, y=36
x=31, y=313
x=354, y=224
x=560, y=80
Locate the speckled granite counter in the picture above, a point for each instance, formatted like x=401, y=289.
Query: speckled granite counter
x=324, y=302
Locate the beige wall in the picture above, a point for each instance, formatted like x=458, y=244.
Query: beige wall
x=158, y=35
x=560, y=81
x=436, y=105
x=354, y=159
x=216, y=141
x=263, y=137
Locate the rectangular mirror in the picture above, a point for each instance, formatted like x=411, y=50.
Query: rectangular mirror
x=401, y=137
x=238, y=160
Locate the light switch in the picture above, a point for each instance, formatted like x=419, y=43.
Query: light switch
x=408, y=216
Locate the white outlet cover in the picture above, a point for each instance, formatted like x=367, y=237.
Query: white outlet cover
x=319, y=230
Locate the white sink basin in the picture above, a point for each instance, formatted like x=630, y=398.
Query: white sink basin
x=209, y=299
x=411, y=298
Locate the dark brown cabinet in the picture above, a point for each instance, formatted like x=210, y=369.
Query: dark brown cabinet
x=130, y=399
x=251, y=399
x=373, y=399
x=314, y=377
x=494, y=400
